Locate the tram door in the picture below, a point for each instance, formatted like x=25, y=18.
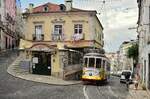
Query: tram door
x=43, y=63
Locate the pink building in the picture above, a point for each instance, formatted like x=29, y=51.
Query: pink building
x=8, y=37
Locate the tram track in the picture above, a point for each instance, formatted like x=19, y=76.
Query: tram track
x=94, y=92
x=102, y=93
x=85, y=93
x=105, y=92
x=112, y=90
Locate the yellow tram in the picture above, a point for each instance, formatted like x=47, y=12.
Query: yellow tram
x=96, y=67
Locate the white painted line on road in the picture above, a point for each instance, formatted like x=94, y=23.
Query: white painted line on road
x=110, y=90
x=84, y=91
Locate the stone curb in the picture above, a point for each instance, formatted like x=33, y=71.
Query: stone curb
x=38, y=78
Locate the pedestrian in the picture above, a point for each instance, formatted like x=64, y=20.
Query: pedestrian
x=136, y=82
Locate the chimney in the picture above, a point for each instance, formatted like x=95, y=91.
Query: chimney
x=31, y=5
x=68, y=4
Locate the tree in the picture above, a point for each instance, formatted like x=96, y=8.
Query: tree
x=133, y=52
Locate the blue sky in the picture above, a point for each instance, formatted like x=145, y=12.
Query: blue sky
x=25, y=3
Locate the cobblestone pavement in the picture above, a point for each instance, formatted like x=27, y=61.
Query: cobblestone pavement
x=16, y=88
x=114, y=90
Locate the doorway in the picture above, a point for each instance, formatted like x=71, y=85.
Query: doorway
x=42, y=65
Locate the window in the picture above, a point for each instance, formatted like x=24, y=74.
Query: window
x=74, y=58
x=38, y=32
x=78, y=28
x=57, y=35
x=85, y=62
x=58, y=29
x=98, y=63
x=46, y=9
x=91, y=62
x=104, y=64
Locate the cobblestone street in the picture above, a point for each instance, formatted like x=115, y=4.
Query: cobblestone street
x=16, y=88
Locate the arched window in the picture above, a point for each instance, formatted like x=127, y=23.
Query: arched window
x=46, y=8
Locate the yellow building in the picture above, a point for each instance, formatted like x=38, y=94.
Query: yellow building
x=56, y=35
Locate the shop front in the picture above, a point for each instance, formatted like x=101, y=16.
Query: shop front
x=41, y=55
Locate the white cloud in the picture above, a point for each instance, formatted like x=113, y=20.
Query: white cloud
x=116, y=17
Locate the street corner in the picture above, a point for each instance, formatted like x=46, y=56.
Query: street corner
x=16, y=71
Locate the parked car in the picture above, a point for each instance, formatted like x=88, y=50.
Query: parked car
x=122, y=77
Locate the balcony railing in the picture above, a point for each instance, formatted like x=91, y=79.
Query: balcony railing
x=57, y=37
x=38, y=37
x=78, y=36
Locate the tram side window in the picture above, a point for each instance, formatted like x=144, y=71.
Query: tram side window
x=104, y=64
x=98, y=63
x=85, y=62
x=91, y=62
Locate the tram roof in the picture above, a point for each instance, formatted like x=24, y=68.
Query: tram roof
x=95, y=54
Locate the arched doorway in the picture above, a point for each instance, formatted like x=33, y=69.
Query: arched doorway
x=41, y=59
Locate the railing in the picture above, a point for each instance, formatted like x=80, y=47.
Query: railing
x=38, y=37
x=57, y=37
x=78, y=36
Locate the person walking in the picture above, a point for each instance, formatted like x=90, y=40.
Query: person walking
x=136, y=82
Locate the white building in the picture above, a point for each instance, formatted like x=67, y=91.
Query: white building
x=144, y=40
x=113, y=57
x=125, y=62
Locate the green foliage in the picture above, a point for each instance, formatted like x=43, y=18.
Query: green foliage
x=133, y=52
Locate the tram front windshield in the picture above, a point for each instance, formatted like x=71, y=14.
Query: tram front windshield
x=91, y=62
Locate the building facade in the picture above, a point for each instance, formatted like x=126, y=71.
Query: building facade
x=8, y=35
x=114, y=61
x=60, y=34
x=124, y=62
x=144, y=41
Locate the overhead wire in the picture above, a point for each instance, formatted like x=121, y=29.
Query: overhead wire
x=102, y=7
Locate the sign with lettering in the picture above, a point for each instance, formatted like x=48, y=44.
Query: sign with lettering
x=35, y=60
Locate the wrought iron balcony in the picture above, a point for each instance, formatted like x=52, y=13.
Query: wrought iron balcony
x=38, y=37
x=57, y=37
